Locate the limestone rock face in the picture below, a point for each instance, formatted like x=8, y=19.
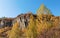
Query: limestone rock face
x=23, y=20
x=6, y=22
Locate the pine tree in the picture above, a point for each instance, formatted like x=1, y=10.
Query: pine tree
x=31, y=29
x=15, y=32
x=44, y=25
x=43, y=10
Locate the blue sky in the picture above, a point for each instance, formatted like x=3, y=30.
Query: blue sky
x=12, y=8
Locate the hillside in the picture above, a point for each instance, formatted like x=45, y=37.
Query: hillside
x=52, y=28
x=43, y=24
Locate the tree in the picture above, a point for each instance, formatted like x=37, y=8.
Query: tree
x=15, y=32
x=43, y=10
x=31, y=29
x=45, y=25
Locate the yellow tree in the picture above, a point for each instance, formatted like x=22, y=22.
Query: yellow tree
x=43, y=10
x=44, y=25
x=15, y=32
x=31, y=29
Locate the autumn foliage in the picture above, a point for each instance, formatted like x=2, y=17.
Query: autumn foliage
x=42, y=25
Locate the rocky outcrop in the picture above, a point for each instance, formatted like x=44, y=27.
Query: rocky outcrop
x=6, y=22
x=23, y=20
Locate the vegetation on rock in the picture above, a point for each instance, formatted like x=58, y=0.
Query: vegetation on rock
x=42, y=25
